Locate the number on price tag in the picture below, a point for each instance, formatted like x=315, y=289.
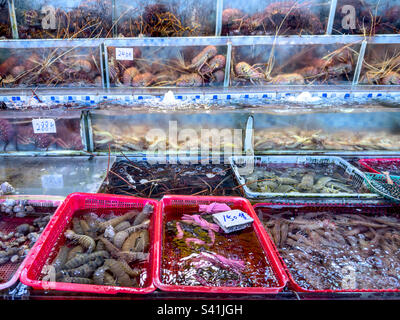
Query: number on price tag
x=44, y=126
x=233, y=220
x=124, y=53
x=52, y=181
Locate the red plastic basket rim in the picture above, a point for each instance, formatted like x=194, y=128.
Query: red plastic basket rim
x=366, y=163
x=260, y=233
x=18, y=272
x=89, y=288
x=292, y=283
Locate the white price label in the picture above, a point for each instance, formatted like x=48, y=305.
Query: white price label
x=53, y=181
x=233, y=220
x=44, y=126
x=124, y=53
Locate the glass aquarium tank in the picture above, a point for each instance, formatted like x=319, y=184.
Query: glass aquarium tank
x=166, y=66
x=56, y=176
x=50, y=64
x=357, y=131
x=41, y=131
x=160, y=131
x=381, y=65
x=49, y=19
x=367, y=17
x=5, y=23
x=160, y=18
x=298, y=64
x=274, y=17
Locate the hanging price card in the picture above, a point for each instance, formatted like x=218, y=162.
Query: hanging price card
x=233, y=220
x=44, y=126
x=124, y=53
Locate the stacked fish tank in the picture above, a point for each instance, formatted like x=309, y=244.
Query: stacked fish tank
x=199, y=149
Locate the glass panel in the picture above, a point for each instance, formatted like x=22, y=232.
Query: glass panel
x=50, y=67
x=178, y=131
x=367, y=17
x=173, y=18
x=57, y=176
x=5, y=24
x=275, y=17
x=18, y=131
x=357, y=131
x=41, y=19
x=167, y=66
x=293, y=64
x=381, y=65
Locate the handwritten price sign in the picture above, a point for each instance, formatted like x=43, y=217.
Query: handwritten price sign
x=233, y=220
x=44, y=126
x=124, y=53
x=55, y=181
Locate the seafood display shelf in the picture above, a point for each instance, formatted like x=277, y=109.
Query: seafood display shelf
x=48, y=19
x=37, y=294
x=200, y=62
x=276, y=126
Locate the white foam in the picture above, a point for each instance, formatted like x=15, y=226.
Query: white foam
x=304, y=97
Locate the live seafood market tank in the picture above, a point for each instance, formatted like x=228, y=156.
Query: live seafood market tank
x=43, y=19
x=158, y=131
x=355, y=131
x=370, y=17
x=166, y=65
x=380, y=65
x=41, y=131
x=293, y=64
x=174, y=18
x=274, y=17
x=5, y=23
x=47, y=64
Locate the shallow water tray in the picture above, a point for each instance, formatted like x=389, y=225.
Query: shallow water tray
x=270, y=209
x=179, y=205
x=243, y=165
x=10, y=272
x=52, y=238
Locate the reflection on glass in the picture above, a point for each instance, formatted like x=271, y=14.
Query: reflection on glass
x=57, y=176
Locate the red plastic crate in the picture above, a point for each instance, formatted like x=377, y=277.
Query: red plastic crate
x=53, y=237
x=339, y=208
x=235, y=203
x=369, y=164
x=11, y=272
